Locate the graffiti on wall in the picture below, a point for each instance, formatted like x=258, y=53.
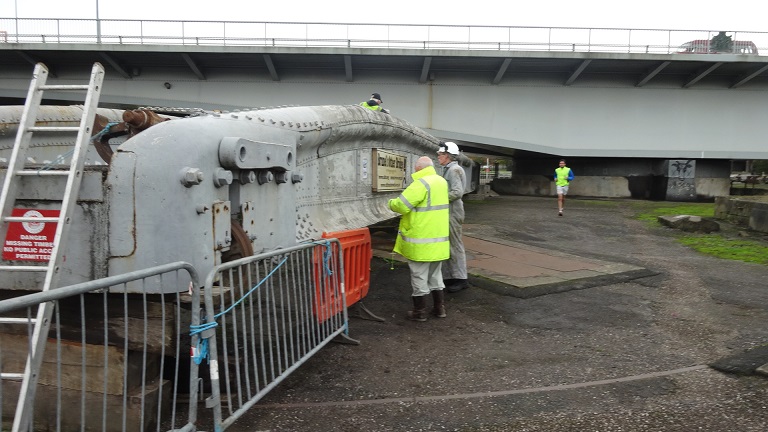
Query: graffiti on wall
x=681, y=184
x=682, y=168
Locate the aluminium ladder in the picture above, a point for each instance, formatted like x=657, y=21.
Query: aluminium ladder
x=8, y=197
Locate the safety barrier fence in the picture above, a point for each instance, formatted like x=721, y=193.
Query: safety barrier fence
x=118, y=362
x=264, y=316
x=340, y=35
x=113, y=361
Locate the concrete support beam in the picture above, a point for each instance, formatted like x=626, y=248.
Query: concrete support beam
x=746, y=77
x=502, y=70
x=348, y=68
x=652, y=73
x=271, y=67
x=193, y=66
x=33, y=61
x=701, y=74
x=577, y=72
x=425, y=70
x=115, y=65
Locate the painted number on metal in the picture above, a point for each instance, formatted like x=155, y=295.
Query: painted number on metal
x=30, y=241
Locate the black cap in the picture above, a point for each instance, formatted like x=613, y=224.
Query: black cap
x=376, y=96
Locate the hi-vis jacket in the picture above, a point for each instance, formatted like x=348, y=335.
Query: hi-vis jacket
x=563, y=176
x=374, y=106
x=423, y=232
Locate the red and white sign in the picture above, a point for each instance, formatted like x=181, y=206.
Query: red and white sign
x=30, y=241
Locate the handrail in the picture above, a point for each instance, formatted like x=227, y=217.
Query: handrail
x=358, y=35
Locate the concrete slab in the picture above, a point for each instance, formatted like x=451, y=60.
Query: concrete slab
x=520, y=270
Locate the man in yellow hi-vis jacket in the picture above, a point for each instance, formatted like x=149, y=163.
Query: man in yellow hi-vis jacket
x=374, y=104
x=422, y=237
x=563, y=177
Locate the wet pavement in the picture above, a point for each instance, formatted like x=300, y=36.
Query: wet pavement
x=591, y=321
x=516, y=269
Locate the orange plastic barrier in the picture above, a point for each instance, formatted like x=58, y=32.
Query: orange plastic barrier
x=357, y=253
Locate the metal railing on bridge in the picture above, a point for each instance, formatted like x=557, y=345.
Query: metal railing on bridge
x=340, y=35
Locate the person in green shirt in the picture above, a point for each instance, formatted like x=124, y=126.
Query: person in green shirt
x=563, y=177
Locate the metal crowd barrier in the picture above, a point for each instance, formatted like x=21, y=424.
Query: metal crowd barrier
x=265, y=315
x=118, y=362
x=113, y=361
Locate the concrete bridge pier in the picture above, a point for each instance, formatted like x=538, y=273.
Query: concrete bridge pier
x=657, y=179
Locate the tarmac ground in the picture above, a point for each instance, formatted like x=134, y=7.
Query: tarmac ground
x=591, y=321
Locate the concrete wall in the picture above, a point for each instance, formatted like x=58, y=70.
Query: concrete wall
x=752, y=213
x=712, y=187
x=673, y=180
x=592, y=186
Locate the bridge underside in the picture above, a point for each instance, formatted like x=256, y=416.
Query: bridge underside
x=638, y=113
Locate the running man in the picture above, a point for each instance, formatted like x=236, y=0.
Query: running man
x=563, y=177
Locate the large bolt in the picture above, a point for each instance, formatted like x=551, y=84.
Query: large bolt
x=281, y=177
x=191, y=176
x=247, y=177
x=264, y=176
x=222, y=177
x=297, y=177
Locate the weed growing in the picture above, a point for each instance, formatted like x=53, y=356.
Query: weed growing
x=716, y=244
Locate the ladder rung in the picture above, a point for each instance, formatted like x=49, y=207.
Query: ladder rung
x=39, y=268
x=48, y=172
x=12, y=376
x=18, y=320
x=30, y=219
x=64, y=87
x=54, y=129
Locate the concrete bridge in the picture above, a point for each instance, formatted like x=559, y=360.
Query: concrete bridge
x=633, y=115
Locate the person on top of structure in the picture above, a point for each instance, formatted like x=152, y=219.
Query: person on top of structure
x=374, y=103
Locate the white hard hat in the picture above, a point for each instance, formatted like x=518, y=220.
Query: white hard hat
x=449, y=147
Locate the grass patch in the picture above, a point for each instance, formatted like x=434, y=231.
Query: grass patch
x=716, y=244
x=650, y=213
x=740, y=250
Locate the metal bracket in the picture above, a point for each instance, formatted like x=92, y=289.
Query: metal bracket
x=344, y=338
x=363, y=312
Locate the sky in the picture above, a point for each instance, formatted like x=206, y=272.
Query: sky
x=744, y=15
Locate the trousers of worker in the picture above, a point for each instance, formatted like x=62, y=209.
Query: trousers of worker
x=456, y=266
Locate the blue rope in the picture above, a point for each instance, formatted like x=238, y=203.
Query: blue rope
x=200, y=352
x=327, y=255
x=63, y=157
x=59, y=159
x=106, y=129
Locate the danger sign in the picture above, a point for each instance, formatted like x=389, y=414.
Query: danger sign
x=30, y=241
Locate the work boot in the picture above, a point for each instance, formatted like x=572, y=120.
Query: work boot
x=438, y=299
x=419, y=312
x=457, y=286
